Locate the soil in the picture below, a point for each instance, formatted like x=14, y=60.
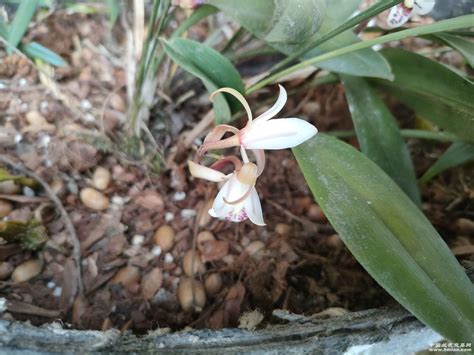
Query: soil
x=297, y=262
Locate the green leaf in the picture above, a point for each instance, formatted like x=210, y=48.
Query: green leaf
x=113, y=8
x=20, y=23
x=262, y=17
x=365, y=62
x=336, y=23
x=379, y=137
x=434, y=91
x=457, y=154
x=211, y=67
x=389, y=236
x=37, y=51
x=276, y=21
x=341, y=10
x=3, y=29
x=462, y=45
x=446, y=25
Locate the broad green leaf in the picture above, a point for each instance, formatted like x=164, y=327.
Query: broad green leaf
x=341, y=10
x=37, y=51
x=211, y=67
x=257, y=16
x=434, y=91
x=457, y=154
x=335, y=24
x=378, y=135
x=365, y=62
x=462, y=45
x=389, y=236
x=446, y=25
x=276, y=21
x=20, y=23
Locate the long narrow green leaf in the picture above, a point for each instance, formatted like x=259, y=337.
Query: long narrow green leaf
x=37, y=51
x=446, y=25
x=378, y=135
x=20, y=23
x=363, y=16
x=211, y=67
x=462, y=45
x=389, y=236
x=457, y=154
x=434, y=91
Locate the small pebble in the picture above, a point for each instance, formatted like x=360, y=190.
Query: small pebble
x=256, y=249
x=6, y=270
x=169, y=216
x=191, y=295
x=156, y=251
x=204, y=216
x=9, y=188
x=282, y=229
x=192, y=264
x=34, y=118
x=101, y=178
x=151, y=283
x=202, y=238
x=213, y=283
x=179, y=196
x=57, y=291
x=128, y=277
x=5, y=208
x=168, y=258
x=94, y=199
x=464, y=226
x=138, y=240
x=316, y=213
x=27, y=270
x=164, y=238
x=50, y=284
x=188, y=213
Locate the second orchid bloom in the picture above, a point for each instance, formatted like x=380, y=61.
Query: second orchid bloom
x=238, y=199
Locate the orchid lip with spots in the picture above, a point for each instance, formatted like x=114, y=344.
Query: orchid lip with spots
x=238, y=199
x=401, y=14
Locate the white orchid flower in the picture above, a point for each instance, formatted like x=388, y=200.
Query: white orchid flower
x=237, y=199
x=401, y=14
x=262, y=132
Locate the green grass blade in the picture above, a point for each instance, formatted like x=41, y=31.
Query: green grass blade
x=37, y=51
x=389, y=236
x=378, y=135
x=20, y=23
x=457, y=154
x=462, y=45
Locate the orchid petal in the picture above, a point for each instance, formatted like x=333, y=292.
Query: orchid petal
x=398, y=16
x=253, y=208
x=238, y=96
x=278, y=134
x=232, y=190
x=276, y=108
x=203, y=172
x=218, y=132
x=423, y=7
